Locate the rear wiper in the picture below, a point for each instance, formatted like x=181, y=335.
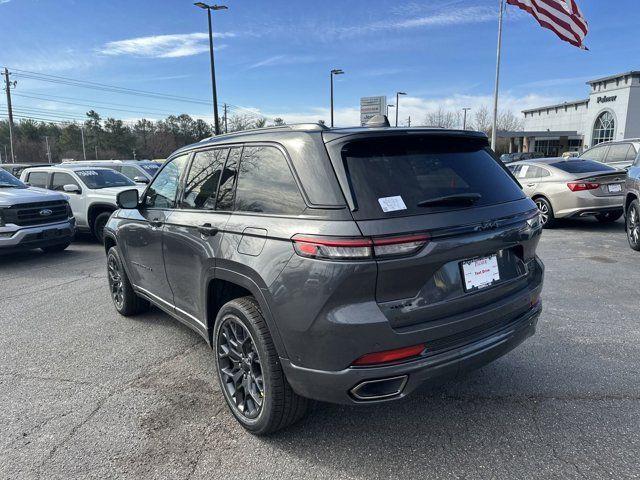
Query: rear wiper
x=454, y=199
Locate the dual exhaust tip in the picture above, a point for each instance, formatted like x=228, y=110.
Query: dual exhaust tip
x=384, y=388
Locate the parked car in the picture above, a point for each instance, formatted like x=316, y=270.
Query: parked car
x=518, y=156
x=632, y=204
x=140, y=171
x=91, y=190
x=570, y=154
x=572, y=187
x=16, y=169
x=619, y=154
x=33, y=218
x=342, y=265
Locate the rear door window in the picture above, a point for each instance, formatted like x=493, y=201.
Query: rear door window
x=228, y=180
x=38, y=179
x=266, y=183
x=391, y=176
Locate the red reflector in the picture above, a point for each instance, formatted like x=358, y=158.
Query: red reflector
x=397, y=240
x=580, y=186
x=389, y=355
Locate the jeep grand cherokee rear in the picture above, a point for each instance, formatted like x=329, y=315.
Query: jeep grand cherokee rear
x=345, y=265
x=443, y=276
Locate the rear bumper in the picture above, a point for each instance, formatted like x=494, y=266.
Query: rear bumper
x=581, y=204
x=342, y=386
x=14, y=239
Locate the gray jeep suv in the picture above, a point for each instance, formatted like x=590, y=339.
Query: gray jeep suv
x=341, y=265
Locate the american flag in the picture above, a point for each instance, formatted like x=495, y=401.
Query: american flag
x=561, y=16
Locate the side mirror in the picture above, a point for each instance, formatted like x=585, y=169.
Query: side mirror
x=128, y=199
x=141, y=179
x=71, y=188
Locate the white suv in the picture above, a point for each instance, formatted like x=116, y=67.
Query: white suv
x=618, y=154
x=92, y=191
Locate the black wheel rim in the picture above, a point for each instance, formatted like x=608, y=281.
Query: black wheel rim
x=633, y=226
x=115, y=282
x=239, y=368
x=544, y=211
x=100, y=230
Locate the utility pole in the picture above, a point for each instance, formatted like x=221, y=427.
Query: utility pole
x=46, y=140
x=96, y=152
x=226, y=130
x=494, y=124
x=7, y=84
x=134, y=154
x=464, y=121
x=84, y=151
x=409, y=121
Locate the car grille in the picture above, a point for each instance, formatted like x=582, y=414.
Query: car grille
x=38, y=213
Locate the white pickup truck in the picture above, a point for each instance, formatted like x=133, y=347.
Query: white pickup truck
x=33, y=218
x=91, y=190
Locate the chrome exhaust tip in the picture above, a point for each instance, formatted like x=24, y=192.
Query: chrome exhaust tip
x=379, y=389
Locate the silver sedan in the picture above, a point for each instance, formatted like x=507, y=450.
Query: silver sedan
x=572, y=187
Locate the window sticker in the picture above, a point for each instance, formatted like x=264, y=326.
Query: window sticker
x=523, y=171
x=392, y=204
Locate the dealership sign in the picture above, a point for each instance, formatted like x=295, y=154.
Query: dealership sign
x=606, y=99
x=372, y=106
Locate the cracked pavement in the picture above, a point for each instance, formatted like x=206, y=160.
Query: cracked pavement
x=85, y=393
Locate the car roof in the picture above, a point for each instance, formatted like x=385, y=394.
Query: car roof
x=329, y=134
x=614, y=142
x=67, y=168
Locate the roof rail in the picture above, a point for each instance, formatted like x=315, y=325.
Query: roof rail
x=292, y=126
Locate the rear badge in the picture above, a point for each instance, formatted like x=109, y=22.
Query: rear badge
x=392, y=204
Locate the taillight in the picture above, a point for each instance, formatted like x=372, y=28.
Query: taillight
x=580, y=186
x=357, y=248
x=388, y=356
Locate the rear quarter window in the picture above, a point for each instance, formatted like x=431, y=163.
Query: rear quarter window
x=391, y=176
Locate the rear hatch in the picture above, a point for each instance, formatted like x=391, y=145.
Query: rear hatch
x=481, y=242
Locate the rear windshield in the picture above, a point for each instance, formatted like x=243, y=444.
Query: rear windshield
x=150, y=168
x=95, y=179
x=391, y=176
x=582, y=166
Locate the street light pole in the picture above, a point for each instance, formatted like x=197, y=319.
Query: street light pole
x=398, y=104
x=208, y=8
x=464, y=121
x=335, y=71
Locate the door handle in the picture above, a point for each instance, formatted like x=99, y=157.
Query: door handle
x=531, y=184
x=206, y=230
x=156, y=223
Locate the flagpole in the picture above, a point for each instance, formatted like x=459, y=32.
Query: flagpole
x=494, y=126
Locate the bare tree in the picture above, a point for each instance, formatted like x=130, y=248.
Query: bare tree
x=240, y=122
x=442, y=118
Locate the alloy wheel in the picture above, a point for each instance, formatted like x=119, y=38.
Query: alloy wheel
x=115, y=282
x=544, y=211
x=239, y=368
x=633, y=225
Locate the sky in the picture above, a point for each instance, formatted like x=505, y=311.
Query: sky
x=273, y=57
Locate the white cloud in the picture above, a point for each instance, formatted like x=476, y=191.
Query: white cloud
x=4, y=1
x=277, y=60
x=163, y=46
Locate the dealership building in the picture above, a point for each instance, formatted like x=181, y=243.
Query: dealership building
x=611, y=112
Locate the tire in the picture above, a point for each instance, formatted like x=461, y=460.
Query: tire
x=254, y=357
x=125, y=300
x=608, y=217
x=546, y=212
x=633, y=225
x=98, y=226
x=56, y=248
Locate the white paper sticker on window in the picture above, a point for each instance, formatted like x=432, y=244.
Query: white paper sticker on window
x=523, y=171
x=392, y=204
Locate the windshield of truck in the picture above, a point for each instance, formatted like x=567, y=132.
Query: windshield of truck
x=96, y=179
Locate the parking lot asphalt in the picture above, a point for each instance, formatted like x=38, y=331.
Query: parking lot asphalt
x=85, y=393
